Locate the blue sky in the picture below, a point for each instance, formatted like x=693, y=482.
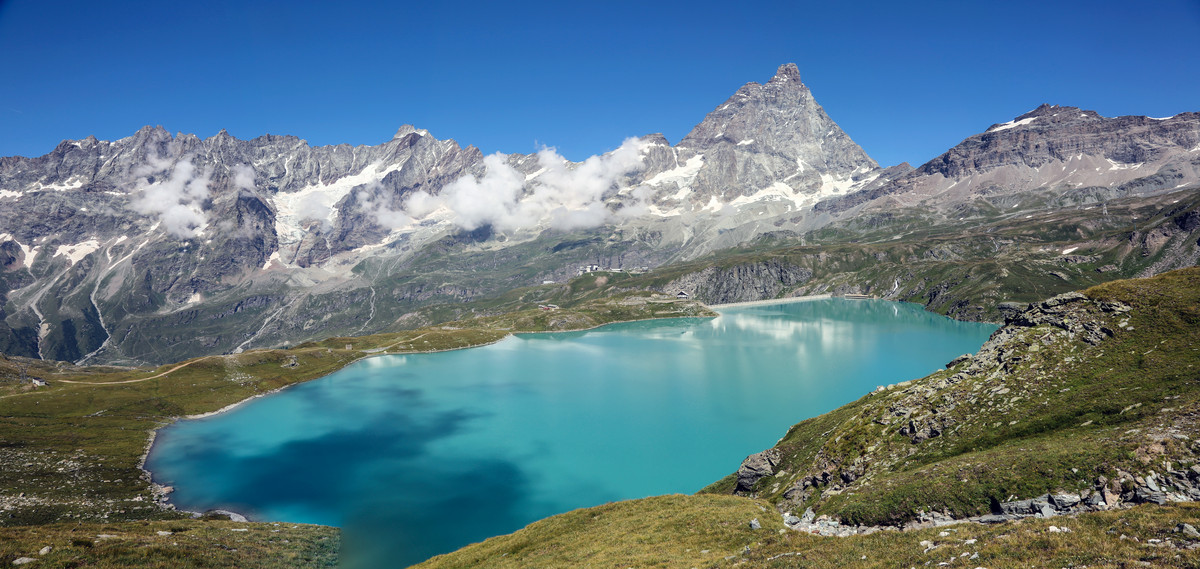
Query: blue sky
x=906, y=80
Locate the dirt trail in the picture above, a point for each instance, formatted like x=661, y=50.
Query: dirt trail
x=176, y=368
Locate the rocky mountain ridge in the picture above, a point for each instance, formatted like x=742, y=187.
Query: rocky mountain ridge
x=109, y=243
x=1063, y=156
x=156, y=247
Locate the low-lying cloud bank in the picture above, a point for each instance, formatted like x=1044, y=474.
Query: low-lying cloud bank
x=568, y=198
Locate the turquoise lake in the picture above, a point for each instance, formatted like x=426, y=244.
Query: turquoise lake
x=421, y=454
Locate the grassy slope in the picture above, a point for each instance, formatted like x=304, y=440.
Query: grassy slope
x=713, y=531
x=1131, y=402
x=172, y=544
x=1065, y=413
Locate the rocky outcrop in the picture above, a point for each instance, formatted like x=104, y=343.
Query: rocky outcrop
x=754, y=468
x=1124, y=492
x=740, y=283
x=923, y=412
x=1175, y=243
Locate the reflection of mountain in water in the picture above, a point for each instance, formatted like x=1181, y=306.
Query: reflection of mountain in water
x=437, y=450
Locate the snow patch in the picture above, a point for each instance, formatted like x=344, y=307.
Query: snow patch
x=831, y=186
x=273, y=258
x=777, y=191
x=745, y=142
x=535, y=174
x=10, y=194
x=680, y=175
x=78, y=251
x=660, y=212
x=1011, y=124
x=316, y=202
x=1068, y=250
x=1120, y=166
x=73, y=183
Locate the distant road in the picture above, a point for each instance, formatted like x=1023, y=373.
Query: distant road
x=771, y=301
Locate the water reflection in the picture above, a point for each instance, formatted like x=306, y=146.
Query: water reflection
x=430, y=452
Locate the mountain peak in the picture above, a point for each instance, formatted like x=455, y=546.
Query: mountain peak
x=408, y=129
x=787, y=72
x=1046, y=109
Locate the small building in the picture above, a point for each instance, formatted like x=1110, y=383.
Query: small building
x=39, y=382
x=682, y=295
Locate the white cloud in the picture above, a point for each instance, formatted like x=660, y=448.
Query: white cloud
x=491, y=198
x=383, y=213
x=316, y=206
x=420, y=204
x=639, y=206
x=176, y=198
x=564, y=196
x=243, y=178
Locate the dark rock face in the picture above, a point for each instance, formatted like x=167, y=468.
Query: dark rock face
x=1052, y=133
x=740, y=283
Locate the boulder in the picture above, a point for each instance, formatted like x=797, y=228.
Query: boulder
x=1064, y=501
x=1145, y=495
x=756, y=467
x=960, y=359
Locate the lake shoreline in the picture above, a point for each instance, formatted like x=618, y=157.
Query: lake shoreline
x=853, y=308
x=153, y=433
